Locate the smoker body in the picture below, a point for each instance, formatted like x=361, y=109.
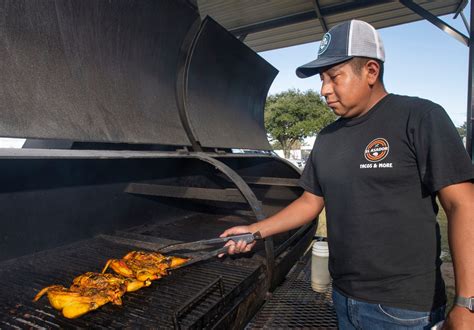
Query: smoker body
x=130, y=111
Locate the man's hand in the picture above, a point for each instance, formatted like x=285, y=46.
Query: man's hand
x=240, y=246
x=301, y=211
x=459, y=318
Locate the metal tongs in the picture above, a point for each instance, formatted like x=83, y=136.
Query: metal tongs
x=195, y=247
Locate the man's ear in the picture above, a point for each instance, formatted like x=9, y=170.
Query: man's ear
x=372, y=70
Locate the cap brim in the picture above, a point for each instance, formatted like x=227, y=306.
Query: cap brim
x=315, y=67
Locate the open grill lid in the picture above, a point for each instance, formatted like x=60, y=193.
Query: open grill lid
x=227, y=87
x=112, y=71
x=100, y=71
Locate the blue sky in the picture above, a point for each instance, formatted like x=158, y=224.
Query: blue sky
x=421, y=60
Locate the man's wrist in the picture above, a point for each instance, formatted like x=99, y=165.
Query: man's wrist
x=254, y=228
x=464, y=302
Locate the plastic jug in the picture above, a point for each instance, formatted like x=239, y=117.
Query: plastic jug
x=320, y=278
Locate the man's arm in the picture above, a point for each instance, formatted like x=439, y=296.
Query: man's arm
x=457, y=201
x=301, y=211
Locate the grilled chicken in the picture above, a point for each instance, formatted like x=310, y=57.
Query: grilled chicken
x=89, y=291
x=177, y=261
x=144, y=266
x=108, y=281
x=77, y=301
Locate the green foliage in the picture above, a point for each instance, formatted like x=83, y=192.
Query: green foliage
x=462, y=130
x=276, y=145
x=291, y=116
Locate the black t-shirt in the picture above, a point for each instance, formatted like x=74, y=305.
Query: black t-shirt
x=379, y=175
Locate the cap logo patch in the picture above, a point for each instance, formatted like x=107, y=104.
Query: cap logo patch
x=376, y=150
x=324, y=43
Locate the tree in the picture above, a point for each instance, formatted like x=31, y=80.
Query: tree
x=462, y=130
x=277, y=145
x=292, y=116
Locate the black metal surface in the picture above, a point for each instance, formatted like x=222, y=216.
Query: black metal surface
x=296, y=305
x=78, y=194
x=436, y=21
x=217, y=283
x=92, y=70
x=59, y=197
x=254, y=204
x=222, y=195
x=49, y=202
x=321, y=18
x=192, y=227
x=285, y=182
x=155, y=306
x=181, y=82
x=227, y=87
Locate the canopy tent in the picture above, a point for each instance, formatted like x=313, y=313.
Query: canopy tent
x=271, y=24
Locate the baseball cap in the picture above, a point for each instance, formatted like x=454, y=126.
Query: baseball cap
x=343, y=42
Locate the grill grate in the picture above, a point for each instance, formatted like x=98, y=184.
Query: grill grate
x=296, y=305
x=154, y=306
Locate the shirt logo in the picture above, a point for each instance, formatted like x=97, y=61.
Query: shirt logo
x=324, y=43
x=376, y=150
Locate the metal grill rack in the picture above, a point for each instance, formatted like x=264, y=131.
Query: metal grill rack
x=193, y=297
x=296, y=305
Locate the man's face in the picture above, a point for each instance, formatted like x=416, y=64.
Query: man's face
x=347, y=93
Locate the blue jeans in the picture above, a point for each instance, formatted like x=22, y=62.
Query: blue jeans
x=355, y=314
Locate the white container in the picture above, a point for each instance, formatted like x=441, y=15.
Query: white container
x=320, y=278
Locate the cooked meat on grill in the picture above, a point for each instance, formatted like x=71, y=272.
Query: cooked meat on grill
x=143, y=266
x=177, y=261
x=107, y=281
x=77, y=301
x=72, y=304
x=89, y=291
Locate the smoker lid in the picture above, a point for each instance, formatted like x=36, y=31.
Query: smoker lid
x=226, y=92
x=99, y=71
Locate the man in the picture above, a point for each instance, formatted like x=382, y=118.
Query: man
x=377, y=170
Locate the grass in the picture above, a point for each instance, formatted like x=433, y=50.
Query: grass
x=445, y=253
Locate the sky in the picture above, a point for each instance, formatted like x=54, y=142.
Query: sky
x=420, y=60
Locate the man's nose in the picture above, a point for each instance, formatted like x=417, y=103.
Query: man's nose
x=326, y=89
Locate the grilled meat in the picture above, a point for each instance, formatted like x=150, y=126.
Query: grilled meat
x=108, y=282
x=89, y=291
x=177, y=261
x=143, y=265
x=77, y=301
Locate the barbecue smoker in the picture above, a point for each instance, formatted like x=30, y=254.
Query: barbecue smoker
x=130, y=110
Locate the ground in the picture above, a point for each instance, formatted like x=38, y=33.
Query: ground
x=446, y=268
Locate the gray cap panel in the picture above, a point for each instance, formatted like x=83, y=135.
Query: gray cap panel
x=365, y=41
x=342, y=42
